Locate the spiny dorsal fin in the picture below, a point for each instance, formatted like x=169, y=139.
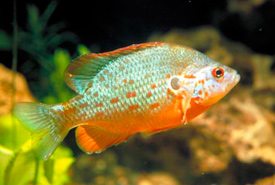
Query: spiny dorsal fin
x=79, y=74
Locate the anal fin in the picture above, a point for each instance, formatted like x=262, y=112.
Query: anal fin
x=93, y=139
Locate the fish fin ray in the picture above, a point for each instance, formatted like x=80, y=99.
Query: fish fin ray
x=47, y=134
x=79, y=74
x=93, y=139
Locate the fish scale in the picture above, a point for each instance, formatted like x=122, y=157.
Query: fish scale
x=149, y=87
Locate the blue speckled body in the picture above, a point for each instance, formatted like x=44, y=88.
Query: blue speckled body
x=137, y=73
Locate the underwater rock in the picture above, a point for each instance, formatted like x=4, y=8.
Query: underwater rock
x=266, y=181
x=105, y=169
x=202, y=38
x=22, y=92
x=263, y=76
x=240, y=125
x=101, y=169
x=245, y=6
x=156, y=178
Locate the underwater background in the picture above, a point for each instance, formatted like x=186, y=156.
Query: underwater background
x=233, y=143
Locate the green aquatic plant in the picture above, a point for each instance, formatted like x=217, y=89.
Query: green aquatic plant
x=19, y=161
x=16, y=156
x=39, y=41
x=61, y=59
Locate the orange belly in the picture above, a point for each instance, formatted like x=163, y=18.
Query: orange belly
x=166, y=118
x=195, y=110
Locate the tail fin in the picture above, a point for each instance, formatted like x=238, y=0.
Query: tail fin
x=47, y=130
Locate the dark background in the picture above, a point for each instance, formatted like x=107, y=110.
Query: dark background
x=114, y=24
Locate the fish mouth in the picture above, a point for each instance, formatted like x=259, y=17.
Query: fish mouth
x=234, y=80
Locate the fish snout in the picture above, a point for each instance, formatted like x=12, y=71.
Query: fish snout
x=233, y=79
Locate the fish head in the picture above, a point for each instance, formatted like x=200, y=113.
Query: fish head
x=213, y=83
x=206, y=86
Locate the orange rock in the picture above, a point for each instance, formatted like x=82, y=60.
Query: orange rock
x=22, y=92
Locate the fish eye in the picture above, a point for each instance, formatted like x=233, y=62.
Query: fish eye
x=218, y=72
x=175, y=83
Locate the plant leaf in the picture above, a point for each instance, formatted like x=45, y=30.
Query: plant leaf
x=5, y=156
x=82, y=49
x=47, y=14
x=49, y=170
x=6, y=132
x=33, y=20
x=5, y=41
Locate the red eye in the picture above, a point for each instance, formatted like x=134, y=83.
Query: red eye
x=218, y=72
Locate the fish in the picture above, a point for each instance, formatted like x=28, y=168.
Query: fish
x=142, y=88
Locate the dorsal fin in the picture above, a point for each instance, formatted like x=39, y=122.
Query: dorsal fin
x=79, y=74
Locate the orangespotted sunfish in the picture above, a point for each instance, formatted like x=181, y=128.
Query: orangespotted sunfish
x=146, y=88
